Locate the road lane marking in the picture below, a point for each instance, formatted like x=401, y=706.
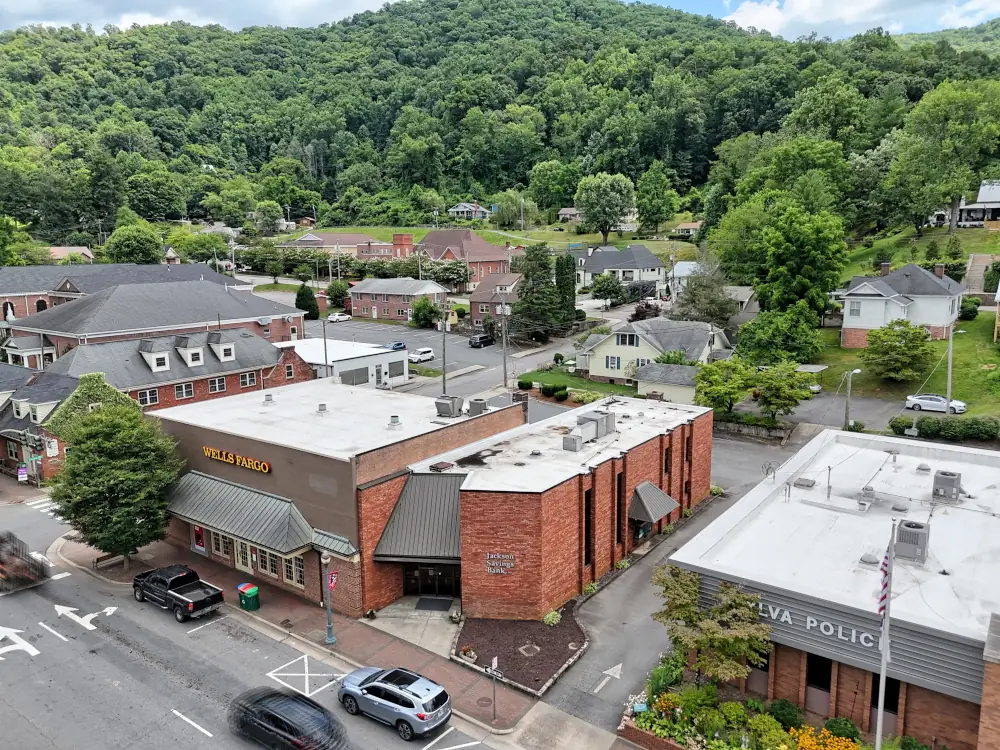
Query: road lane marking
x=40, y=501
x=459, y=747
x=45, y=507
x=182, y=716
x=59, y=576
x=60, y=636
x=440, y=737
x=306, y=675
x=207, y=624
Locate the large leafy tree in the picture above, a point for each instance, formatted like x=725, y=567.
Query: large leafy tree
x=704, y=297
x=553, y=183
x=305, y=299
x=655, y=197
x=536, y=314
x=113, y=484
x=780, y=388
x=425, y=313
x=607, y=287
x=135, y=243
x=724, y=383
x=774, y=337
x=898, y=351
x=604, y=200
x=155, y=195
x=565, y=273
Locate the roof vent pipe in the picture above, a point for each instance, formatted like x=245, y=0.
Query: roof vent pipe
x=394, y=423
x=268, y=399
x=322, y=409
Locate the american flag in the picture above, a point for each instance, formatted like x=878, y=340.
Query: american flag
x=883, y=597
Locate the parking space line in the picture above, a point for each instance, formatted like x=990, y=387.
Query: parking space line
x=207, y=624
x=440, y=737
x=182, y=716
x=60, y=636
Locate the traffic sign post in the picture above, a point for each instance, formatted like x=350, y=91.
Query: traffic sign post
x=494, y=673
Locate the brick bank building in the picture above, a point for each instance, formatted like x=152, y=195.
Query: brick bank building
x=430, y=497
x=810, y=542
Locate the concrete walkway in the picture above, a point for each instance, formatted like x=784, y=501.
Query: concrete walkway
x=978, y=263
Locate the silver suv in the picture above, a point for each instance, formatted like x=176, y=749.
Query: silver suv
x=413, y=704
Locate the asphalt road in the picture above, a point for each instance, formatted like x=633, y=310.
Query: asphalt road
x=137, y=679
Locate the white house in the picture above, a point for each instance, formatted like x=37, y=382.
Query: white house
x=634, y=263
x=678, y=275
x=353, y=363
x=910, y=293
x=687, y=228
x=469, y=211
x=674, y=383
x=985, y=209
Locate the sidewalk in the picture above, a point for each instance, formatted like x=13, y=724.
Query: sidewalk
x=357, y=642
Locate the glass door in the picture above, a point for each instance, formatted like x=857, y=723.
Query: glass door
x=242, y=560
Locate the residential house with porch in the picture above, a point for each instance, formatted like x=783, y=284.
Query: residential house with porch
x=392, y=299
x=616, y=357
x=495, y=296
x=470, y=212
x=481, y=257
x=687, y=228
x=984, y=212
x=570, y=215
x=633, y=263
x=911, y=293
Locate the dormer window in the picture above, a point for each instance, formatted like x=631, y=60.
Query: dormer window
x=34, y=414
x=194, y=357
x=18, y=409
x=160, y=362
x=227, y=351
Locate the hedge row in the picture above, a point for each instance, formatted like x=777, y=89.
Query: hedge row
x=950, y=428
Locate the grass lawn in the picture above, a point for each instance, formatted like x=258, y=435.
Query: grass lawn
x=560, y=377
x=427, y=372
x=973, y=350
x=973, y=241
x=293, y=288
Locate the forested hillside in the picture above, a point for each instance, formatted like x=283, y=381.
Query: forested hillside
x=983, y=38
x=384, y=116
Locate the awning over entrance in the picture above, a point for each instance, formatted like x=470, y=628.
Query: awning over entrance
x=257, y=517
x=650, y=503
x=424, y=524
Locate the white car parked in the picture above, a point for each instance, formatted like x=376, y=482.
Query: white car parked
x=425, y=354
x=339, y=317
x=934, y=402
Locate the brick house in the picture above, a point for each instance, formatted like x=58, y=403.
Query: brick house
x=137, y=311
x=465, y=245
x=352, y=243
x=163, y=371
x=911, y=293
x=392, y=299
x=489, y=296
x=812, y=548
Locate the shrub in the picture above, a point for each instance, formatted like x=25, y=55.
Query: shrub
x=623, y=564
x=856, y=426
x=929, y=427
x=899, y=425
x=579, y=397
x=552, y=619
x=716, y=491
x=969, y=309
x=688, y=512
x=909, y=743
x=754, y=704
x=952, y=428
x=843, y=727
x=786, y=713
x=763, y=725
x=548, y=389
x=694, y=698
x=579, y=314
x=524, y=385
x=561, y=395
x=666, y=703
x=982, y=428
x=662, y=678
x=668, y=529
x=590, y=588
x=558, y=358
x=734, y=713
x=709, y=721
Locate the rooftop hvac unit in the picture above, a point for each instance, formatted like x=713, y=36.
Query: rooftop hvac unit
x=947, y=485
x=572, y=442
x=598, y=420
x=478, y=406
x=448, y=406
x=912, y=538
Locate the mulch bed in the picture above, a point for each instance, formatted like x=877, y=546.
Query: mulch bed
x=504, y=638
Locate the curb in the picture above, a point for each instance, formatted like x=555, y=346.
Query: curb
x=56, y=549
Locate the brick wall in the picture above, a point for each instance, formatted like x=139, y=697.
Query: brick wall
x=629, y=731
x=853, y=695
x=700, y=474
x=953, y=722
x=397, y=304
x=50, y=465
x=278, y=375
x=854, y=338
x=787, y=663
x=938, y=332
x=395, y=457
x=24, y=304
x=561, y=543
x=381, y=583
x=989, y=715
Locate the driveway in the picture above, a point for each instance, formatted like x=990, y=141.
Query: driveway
x=828, y=409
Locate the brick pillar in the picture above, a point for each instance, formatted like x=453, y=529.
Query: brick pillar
x=802, y=678
x=321, y=301
x=834, y=672
x=989, y=711
x=866, y=713
x=901, y=715
x=772, y=671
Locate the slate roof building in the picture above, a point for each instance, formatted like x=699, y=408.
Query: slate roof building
x=633, y=263
x=480, y=256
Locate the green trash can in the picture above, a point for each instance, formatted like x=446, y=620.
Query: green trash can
x=249, y=597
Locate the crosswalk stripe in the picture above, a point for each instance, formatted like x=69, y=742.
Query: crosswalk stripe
x=36, y=503
x=45, y=507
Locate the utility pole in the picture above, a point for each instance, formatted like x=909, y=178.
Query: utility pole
x=503, y=332
x=326, y=358
x=522, y=215
x=444, y=347
x=951, y=349
x=420, y=269
x=338, y=261
x=885, y=602
x=847, y=404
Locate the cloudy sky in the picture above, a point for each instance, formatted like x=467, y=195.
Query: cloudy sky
x=789, y=18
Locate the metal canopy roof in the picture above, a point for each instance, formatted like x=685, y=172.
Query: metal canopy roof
x=650, y=503
x=334, y=543
x=424, y=524
x=254, y=516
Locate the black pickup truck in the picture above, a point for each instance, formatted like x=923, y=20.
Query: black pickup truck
x=179, y=588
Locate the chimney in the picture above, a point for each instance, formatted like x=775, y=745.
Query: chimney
x=884, y=267
x=939, y=270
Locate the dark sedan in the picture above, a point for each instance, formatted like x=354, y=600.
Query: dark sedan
x=283, y=719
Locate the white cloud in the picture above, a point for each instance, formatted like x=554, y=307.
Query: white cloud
x=841, y=18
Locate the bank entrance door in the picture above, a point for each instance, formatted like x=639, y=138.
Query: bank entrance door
x=242, y=557
x=432, y=580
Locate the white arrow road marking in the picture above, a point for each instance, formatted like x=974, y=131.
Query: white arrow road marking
x=60, y=636
x=615, y=671
x=182, y=716
x=286, y=670
x=70, y=613
x=42, y=559
x=19, y=644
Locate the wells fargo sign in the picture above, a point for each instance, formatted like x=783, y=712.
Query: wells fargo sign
x=235, y=458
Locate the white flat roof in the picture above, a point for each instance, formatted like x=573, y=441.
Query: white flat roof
x=311, y=350
x=504, y=462
x=808, y=543
x=356, y=421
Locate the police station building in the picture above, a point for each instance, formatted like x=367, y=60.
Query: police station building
x=810, y=540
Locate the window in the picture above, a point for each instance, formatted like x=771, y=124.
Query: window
x=248, y=379
x=12, y=450
x=161, y=361
x=364, y=310
x=17, y=409
x=891, y=693
x=640, y=361
x=687, y=449
x=613, y=363
x=407, y=298
x=354, y=377
x=484, y=308
x=227, y=351
x=687, y=490
x=588, y=527
x=952, y=310
x=195, y=357
x=266, y=332
x=478, y=323
x=666, y=461
x=619, y=506
x=385, y=297
x=34, y=413
x=854, y=310
x=293, y=331
x=268, y=562
x=819, y=671
x=221, y=544
x=289, y=372
x=396, y=369
x=373, y=297
x=400, y=313
x=626, y=339
x=216, y=385
x=385, y=312
x=148, y=398
x=184, y=390
x=295, y=571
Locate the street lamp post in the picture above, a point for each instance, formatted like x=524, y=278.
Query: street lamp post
x=951, y=349
x=326, y=559
x=847, y=404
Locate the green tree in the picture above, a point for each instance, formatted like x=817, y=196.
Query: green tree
x=933, y=250
x=198, y=246
x=773, y=337
x=954, y=248
x=553, y=183
x=780, y=388
x=805, y=256
x=336, y=292
x=737, y=240
x=490, y=327
x=425, y=313
x=898, y=351
x=125, y=216
x=604, y=200
x=536, y=313
x=305, y=299
x=269, y=216
x=655, y=198
x=135, y=243
x=607, y=287
x=113, y=484
x=302, y=272
x=704, y=297
x=155, y=195
x=672, y=357
x=724, y=383
x=8, y=233
x=274, y=268
x=565, y=272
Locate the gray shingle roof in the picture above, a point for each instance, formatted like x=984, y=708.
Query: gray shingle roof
x=909, y=280
x=257, y=517
x=667, y=374
x=605, y=258
x=125, y=368
x=333, y=543
x=13, y=376
x=690, y=337
x=136, y=307
x=28, y=342
x=424, y=524
x=91, y=278
x=402, y=285
x=650, y=503
x=485, y=289
x=35, y=387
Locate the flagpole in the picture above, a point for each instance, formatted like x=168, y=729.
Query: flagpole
x=887, y=593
